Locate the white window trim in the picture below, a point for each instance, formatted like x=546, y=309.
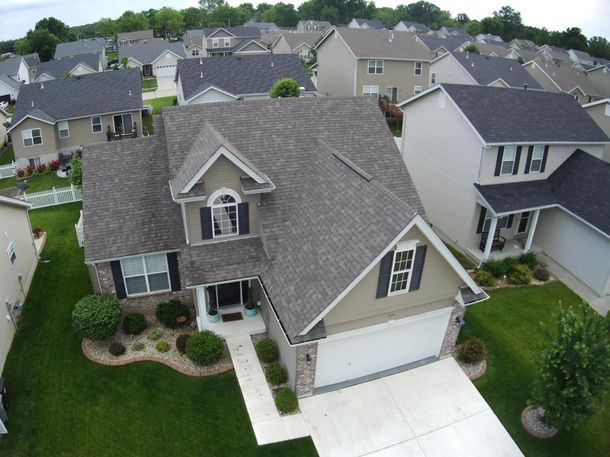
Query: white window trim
x=432, y=78
x=31, y=137
x=387, y=91
x=375, y=66
x=92, y=124
x=121, y=115
x=10, y=251
x=195, y=52
x=506, y=149
x=211, y=204
x=502, y=223
x=61, y=124
x=215, y=42
x=416, y=68
x=226, y=42
x=148, y=292
x=417, y=90
x=540, y=149
x=406, y=247
x=369, y=93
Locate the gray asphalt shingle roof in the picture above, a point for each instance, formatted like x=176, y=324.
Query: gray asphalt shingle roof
x=241, y=75
x=67, y=98
x=238, y=32
x=146, y=53
x=417, y=25
x=10, y=82
x=371, y=23
x=296, y=39
x=138, y=35
x=450, y=43
x=581, y=185
x=10, y=67
x=58, y=68
x=518, y=115
x=568, y=77
x=75, y=48
x=32, y=60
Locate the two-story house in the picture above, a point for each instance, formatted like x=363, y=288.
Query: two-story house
x=372, y=63
x=504, y=171
x=83, y=64
x=304, y=204
x=440, y=45
x=300, y=44
x=127, y=38
x=15, y=71
x=18, y=260
x=62, y=115
x=599, y=76
x=79, y=47
x=226, y=41
x=210, y=79
x=158, y=58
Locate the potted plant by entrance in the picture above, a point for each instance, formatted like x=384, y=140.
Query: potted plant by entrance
x=213, y=314
x=250, y=306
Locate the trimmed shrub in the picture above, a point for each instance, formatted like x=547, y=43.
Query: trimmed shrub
x=134, y=323
x=116, y=349
x=473, y=350
x=168, y=313
x=138, y=346
x=181, y=342
x=266, y=350
x=53, y=165
x=76, y=173
x=162, y=346
x=154, y=335
x=204, y=348
x=41, y=168
x=20, y=172
x=541, y=274
x=520, y=275
x=484, y=278
x=499, y=268
x=529, y=259
x=275, y=374
x=96, y=316
x=286, y=400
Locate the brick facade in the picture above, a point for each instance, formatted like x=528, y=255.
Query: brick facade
x=306, y=373
x=453, y=330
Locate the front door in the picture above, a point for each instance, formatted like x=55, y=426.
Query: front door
x=392, y=93
x=147, y=70
x=229, y=294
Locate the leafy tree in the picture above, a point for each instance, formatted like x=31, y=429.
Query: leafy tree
x=283, y=14
x=7, y=46
x=169, y=21
x=572, y=38
x=106, y=27
x=260, y=10
x=492, y=25
x=131, y=22
x=285, y=87
x=211, y=5
x=226, y=15
x=125, y=63
x=54, y=26
x=462, y=18
x=599, y=47
x=22, y=47
x=472, y=48
x=424, y=12
x=249, y=8
x=43, y=42
x=474, y=28
x=330, y=14
x=387, y=16
x=575, y=369
x=195, y=18
x=511, y=22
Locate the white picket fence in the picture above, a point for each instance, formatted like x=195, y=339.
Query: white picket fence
x=7, y=171
x=80, y=235
x=53, y=197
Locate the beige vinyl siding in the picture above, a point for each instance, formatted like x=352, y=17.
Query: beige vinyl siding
x=281, y=47
x=48, y=146
x=223, y=173
x=395, y=73
x=210, y=96
x=169, y=58
x=336, y=68
x=448, y=70
x=360, y=308
x=82, y=70
x=541, y=78
x=443, y=167
x=15, y=229
x=601, y=115
x=304, y=47
x=601, y=80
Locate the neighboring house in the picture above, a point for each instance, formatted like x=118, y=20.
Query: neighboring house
x=61, y=115
x=581, y=57
x=526, y=55
x=16, y=68
x=313, y=26
x=600, y=112
x=357, y=23
x=561, y=77
x=488, y=37
x=126, y=38
x=372, y=63
x=471, y=68
x=9, y=89
x=226, y=41
x=492, y=49
x=296, y=43
x=414, y=27
x=440, y=45
x=30, y=64
x=154, y=59
x=18, y=260
x=4, y=117
x=599, y=76
x=211, y=79
x=526, y=175
x=283, y=199
x=554, y=53
x=447, y=31
x=69, y=66
x=79, y=47
x=518, y=43
x=193, y=43
x=262, y=26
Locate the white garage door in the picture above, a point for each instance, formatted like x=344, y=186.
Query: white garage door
x=352, y=355
x=166, y=70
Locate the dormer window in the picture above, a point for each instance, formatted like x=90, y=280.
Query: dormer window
x=224, y=215
x=227, y=42
x=216, y=42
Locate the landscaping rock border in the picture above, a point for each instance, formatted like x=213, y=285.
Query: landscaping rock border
x=474, y=371
x=530, y=419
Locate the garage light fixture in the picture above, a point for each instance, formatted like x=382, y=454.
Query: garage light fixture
x=307, y=359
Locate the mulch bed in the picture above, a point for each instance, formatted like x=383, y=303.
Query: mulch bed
x=531, y=419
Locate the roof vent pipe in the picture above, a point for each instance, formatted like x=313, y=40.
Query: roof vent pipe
x=130, y=92
x=201, y=75
x=200, y=61
x=301, y=91
x=524, y=86
x=468, y=54
x=42, y=84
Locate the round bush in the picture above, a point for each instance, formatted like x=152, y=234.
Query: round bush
x=138, y=346
x=275, y=374
x=520, y=275
x=134, y=323
x=266, y=350
x=168, y=313
x=286, y=400
x=204, y=348
x=541, y=274
x=181, y=343
x=163, y=346
x=484, y=278
x=154, y=334
x=96, y=317
x=472, y=351
x=116, y=349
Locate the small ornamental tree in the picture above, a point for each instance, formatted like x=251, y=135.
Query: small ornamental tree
x=472, y=48
x=96, y=317
x=574, y=370
x=76, y=173
x=285, y=87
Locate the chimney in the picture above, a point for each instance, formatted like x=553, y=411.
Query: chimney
x=524, y=86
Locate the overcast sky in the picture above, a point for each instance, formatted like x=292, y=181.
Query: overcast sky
x=592, y=16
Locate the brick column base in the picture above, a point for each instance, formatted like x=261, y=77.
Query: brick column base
x=453, y=330
x=306, y=373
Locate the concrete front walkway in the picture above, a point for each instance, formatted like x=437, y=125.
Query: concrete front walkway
x=166, y=87
x=268, y=425
x=430, y=411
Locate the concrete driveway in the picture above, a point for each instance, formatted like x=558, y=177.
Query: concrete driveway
x=430, y=411
x=166, y=87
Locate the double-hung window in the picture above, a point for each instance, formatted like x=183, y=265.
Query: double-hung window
x=31, y=137
x=195, y=52
x=224, y=216
x=64, y=129
x=96, y=124
x=401, y=271
x=375, y=67
x=10, y=252
x=536, y=162
x=523, y=221
x=145, y=274
x=432, y=78
x=508, y=160
x=418, y=68
x=215, y=42
x=227, y=42
x=304, y=53
x=502, y=223
x=370, y=91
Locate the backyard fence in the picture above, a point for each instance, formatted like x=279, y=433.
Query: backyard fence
x=7, y=171
x=53, y=197
x=80, y=236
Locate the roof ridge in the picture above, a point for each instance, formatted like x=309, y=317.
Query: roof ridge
x=355, y=168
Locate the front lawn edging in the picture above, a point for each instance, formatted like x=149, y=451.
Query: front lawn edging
x=530, y=419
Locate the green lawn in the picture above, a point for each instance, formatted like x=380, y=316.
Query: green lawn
x=147, y=122
x=37, y=182
x=64, y=405
x=8, y=156
x=159, y=103
x=149, y=84
x=509, y=324
x=112, y=55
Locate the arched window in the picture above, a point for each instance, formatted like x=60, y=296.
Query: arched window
x=224, y=215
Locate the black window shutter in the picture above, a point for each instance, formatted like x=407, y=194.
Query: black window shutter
x=206, y=223
x=244, y=218
x=418, y=267
x=499, y=161
x=544, y=156
x=174, y=273
x=385, y=271
x=117, y=276
x=528, y=161
x=481, y=219
x=517, y=158
x=509, y=222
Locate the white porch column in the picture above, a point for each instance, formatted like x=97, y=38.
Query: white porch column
x=532, y=231
x=201, y=307
x=490, y=237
